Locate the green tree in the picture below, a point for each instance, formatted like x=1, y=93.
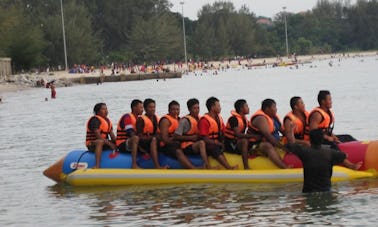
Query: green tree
x=155, y=38
x=20, y=40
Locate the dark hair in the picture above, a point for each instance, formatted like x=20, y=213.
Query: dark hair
x=316, y=136
x=294, y=101
x=191, y=102
x=267, y=103
x=173, y=103
x=323, y=95
x=211, y=102
x=239, y=104
x=147, y=102
x=97, y=107
x=135, y=102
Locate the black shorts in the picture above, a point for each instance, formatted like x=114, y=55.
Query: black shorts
x=189, y=150
x=214, y=150
x=92, y=147
x=231, y=146
x=144, y=147
x=170, y=149
x=124, y=148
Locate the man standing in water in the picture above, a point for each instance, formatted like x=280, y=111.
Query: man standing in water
x=127, y=140
x=323, y=118
x=317, y=161
x=99, y=129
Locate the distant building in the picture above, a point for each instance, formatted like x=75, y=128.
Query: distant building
x=264, y=21
x=5, y=67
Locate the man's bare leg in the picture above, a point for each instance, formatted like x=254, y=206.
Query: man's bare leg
x=133, y=142
x=272, y=154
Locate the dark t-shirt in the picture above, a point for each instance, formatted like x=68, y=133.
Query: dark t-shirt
x=317, y=166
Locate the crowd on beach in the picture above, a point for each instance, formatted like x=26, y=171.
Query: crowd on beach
x=67, y=78
x=302, y=133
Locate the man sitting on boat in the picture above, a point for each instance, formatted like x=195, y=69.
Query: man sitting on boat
x=147, y=128
x=266, y=123
x=299, y=117
x=211, y=130
x=236, y=137
x=99, y=129
x=127, y=140
x=167, y=126
x=322, y=117
x=187, y=134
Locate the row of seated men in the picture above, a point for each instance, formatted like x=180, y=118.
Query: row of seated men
x=207, y=135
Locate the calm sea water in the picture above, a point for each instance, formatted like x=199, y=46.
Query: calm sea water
x=34, y=134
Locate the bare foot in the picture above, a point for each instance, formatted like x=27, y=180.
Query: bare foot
x=164, y=167
x=235, y=167
x=135, y=167
x=357, y=166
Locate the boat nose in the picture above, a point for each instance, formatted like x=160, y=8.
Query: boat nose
x=54, y=172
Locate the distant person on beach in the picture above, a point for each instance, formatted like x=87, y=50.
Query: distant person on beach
x=236, y=137
x=187, y=133
x=322, y=117
x=99, y=129
x=299, y=117
x=317, y=161
x=53, y=91
x=147, y=129
x=127, y=139
x=267, y=124
x=211, y=130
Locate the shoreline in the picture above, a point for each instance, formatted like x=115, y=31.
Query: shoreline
x=20, y=82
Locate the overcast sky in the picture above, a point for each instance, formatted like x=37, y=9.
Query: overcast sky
x=267, y=8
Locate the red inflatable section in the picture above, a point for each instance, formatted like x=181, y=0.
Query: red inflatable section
x=356, y=151
x=292, y=160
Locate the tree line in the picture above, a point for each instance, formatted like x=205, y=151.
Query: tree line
x=146, y=31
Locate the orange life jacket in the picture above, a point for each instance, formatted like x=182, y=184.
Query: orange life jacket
x=121, y=132
x=253, y=130
x=242, y=125
x=192, y=131
x=328, y=120
x=215, y=130
x=105, y=128
x=149, y=127
x=173, y=124
x=301, y=129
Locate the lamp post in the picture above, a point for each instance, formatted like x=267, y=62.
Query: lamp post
x=183, y=29
x=287, y=43
x=64, y=36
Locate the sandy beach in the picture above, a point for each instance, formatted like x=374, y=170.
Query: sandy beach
x=19, y=82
